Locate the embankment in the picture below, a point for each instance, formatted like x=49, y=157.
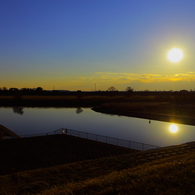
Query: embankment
x=149, y=116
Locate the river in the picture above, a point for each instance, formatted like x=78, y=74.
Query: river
x=27, y=121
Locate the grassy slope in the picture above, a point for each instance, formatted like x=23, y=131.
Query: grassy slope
x=112, y=175
x=46, y=151
x=171, y=176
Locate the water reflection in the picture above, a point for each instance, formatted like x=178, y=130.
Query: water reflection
x=79, y=110
x=173, y=128
x=18, y=110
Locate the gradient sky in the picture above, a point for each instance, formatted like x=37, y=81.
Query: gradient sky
x=77, y=44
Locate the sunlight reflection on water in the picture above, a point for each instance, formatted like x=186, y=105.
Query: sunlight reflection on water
x=173, y=128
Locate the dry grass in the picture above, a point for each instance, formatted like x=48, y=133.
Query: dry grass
x=171, y=176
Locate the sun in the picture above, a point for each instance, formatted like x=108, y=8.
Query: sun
x=175, y=55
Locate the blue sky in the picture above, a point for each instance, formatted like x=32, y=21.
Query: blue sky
x=75, y=44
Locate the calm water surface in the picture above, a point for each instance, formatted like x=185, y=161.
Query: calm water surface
x=44, y=120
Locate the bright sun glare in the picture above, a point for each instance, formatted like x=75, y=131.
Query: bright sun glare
x=175, y=55
x=173, y=128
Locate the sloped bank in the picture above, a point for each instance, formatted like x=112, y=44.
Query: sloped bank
x=149, y=116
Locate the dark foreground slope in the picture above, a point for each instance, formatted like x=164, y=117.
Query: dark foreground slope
x=168, y=170
x=46, y=151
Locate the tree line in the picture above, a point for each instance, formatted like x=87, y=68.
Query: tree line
x=110, y=89
x=38, y=89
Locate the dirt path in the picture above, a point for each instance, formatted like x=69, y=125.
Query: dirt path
x=151, y=155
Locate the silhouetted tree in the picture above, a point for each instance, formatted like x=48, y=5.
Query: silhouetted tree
x=27, y=89
x=24, y=89
x=129, y=89
x=112, y=89
x=13, y=89
x=39, y=89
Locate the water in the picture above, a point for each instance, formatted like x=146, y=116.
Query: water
x=44, y=120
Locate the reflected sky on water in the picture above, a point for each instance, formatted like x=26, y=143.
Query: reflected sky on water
x=44, y=120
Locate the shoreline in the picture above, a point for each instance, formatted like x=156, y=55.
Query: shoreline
x=158, y=117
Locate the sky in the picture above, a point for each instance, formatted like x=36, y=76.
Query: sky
x=95, y=44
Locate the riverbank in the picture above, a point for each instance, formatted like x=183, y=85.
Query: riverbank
x=90, y=99
x=150, y=112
